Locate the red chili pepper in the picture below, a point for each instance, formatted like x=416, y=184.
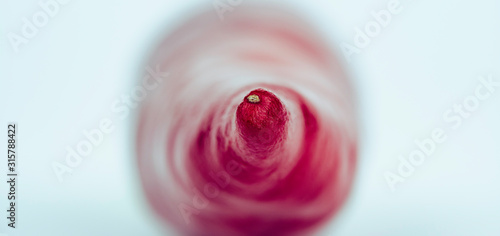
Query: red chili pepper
x=252, y=133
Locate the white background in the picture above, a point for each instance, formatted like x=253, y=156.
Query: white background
x=90, y=53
